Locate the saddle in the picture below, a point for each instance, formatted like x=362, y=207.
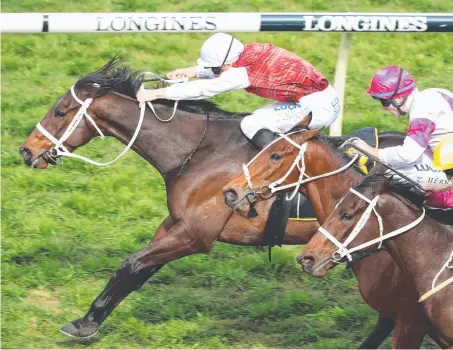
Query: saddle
x=300, y=209
x=370, y=136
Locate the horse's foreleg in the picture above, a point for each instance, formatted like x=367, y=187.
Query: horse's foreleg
x=381, y=331
x=169, y=243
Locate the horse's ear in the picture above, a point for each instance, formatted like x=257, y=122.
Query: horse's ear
x=307, y=135
x=306, y=121
x=382, y=186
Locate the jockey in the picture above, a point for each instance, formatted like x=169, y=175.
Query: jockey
x=430, y=119
x=261, y=69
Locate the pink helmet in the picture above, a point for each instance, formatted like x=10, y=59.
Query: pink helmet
x=391, y=82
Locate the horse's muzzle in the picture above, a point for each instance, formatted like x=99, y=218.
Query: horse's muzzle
x=40, y=161
x=26, y=154
x=312, y=266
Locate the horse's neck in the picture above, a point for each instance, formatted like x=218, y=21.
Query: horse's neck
x=325, y=192
x=164, y=145
x=421, y=251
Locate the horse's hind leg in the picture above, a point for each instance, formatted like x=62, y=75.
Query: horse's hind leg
x=169, y=243
x=381, y=331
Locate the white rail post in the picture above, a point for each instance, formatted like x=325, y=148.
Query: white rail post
x=340, y=80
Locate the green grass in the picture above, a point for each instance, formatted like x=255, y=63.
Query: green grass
x=66, y=230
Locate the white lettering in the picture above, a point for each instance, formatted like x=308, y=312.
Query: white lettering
x=344, y=22
x=387, y=24
x=330, y=23
x=309, y=23
x=420, y=23
x=362, y=24
x=404, y=25
x=322, y=23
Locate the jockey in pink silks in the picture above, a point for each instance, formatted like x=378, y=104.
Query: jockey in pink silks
x=430, y=120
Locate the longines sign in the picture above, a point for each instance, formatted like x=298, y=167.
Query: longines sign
x=345, y=23
x=156, y=23
x=223, y=22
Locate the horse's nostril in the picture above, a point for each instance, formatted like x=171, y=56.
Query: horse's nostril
x=230, y=195
x=25, y=153
x=305, y=260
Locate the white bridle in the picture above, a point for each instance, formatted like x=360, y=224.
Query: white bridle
x=60, y=150
x=343, y=251
x=299, y=161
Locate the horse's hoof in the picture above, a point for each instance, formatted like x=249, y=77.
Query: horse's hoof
x=80, y=329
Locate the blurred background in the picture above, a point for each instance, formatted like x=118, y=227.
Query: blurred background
x=65, y=230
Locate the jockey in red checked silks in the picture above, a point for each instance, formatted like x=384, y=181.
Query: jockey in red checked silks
x=262, y=69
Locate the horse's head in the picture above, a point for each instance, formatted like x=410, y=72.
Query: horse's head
x=270, y=165
x=39, y=149
x=73, y=120
x=354, y=221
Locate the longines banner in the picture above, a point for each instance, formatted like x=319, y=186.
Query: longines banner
x=223, y=22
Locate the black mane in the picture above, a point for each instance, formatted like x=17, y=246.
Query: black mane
x=118, y=77
x=404, y=189
x=409, y=195
x=114, y=76
x=334, y=143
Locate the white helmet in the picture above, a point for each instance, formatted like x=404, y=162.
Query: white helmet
x=220, y=49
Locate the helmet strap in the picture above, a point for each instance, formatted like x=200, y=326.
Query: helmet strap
x=392, y=100
x=228, y=52
x=399, y=105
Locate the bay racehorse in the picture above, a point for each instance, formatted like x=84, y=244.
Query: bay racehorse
x=381, y=282
x=197, y=216
x=421, y=245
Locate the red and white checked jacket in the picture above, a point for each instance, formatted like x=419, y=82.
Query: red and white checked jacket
x=279, y=74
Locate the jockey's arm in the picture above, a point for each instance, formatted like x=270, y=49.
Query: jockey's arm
x=415, y=143
x=205, y=73
x=191, y=72
x=232, y=79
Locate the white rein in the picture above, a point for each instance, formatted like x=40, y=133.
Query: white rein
x=60, y=150
x=274, y=186
x=343, y=251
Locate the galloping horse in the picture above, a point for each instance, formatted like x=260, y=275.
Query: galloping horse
x=421, y=246
x=381, y=282
x=197, y=216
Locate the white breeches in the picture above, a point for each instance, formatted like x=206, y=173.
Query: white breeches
x=281, y=117
x=421, y=171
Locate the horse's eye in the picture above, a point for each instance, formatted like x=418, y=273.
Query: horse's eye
x=276, y=156
x=346, y=216
x=59, y=114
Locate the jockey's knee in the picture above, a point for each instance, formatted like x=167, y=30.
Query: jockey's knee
x=250, y=126
x=325, y=107
x=321, y=119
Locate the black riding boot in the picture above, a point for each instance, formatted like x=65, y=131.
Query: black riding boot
x=262, y=138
